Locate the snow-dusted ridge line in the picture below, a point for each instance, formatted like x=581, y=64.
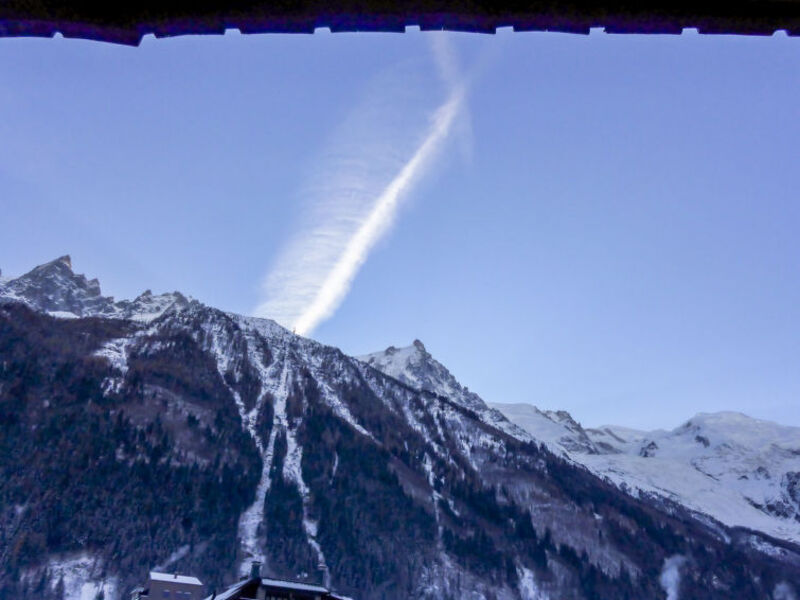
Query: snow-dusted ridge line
x=740, y=471
x=415, y=367
x=84, y=297
x=312, y=353
x=64, y=289
x=724, y=465
x=53, y=288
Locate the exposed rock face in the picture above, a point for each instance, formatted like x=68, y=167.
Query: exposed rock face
x=54, y=288
x=174, y=434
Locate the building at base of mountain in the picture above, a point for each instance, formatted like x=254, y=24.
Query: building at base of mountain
x=257, y=587
x=170, y=586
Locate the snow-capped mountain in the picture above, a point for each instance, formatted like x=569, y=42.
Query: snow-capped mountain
x=53, y=288
x=741, y=471
x=165, y=432
x=415, y=367
x=736, y=469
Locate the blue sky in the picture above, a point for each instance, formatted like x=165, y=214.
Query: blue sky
x=608, y=225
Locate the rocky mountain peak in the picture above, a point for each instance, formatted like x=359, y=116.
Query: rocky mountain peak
x=55, y=288
x=65, y=260
x=61, y=265
x=414, y=366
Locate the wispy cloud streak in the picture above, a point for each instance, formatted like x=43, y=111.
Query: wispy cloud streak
x=339, y=280
x=354, y=208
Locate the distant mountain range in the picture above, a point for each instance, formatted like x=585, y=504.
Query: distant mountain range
x=160, y=432
x=739, y=470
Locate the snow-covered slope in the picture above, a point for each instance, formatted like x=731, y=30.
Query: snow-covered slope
x=739, y=470
x=557, y=429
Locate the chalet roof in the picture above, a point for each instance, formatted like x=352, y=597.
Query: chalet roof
x=175, y=578
x=231, y=592
x=294, y=585
x=247, y=589
x=126, y=21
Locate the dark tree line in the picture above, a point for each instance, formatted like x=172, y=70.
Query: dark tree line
x=76, y=475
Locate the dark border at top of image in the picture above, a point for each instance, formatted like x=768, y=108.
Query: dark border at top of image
x=127, y=21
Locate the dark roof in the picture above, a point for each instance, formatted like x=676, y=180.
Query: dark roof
x=294, y=585
x=247, y=588
x=126, y=21
x=237, y=590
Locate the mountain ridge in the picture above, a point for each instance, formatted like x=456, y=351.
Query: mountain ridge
x=737, y=469
x=54, y=288
x=305, y=457
x=774, y=497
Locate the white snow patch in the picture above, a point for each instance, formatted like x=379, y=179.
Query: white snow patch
x=670, y=578
x=783, y=591
x=528, y=589
x=174, y=577
x=335, y=464
x=766, y=547
x=115, y=352
x=82, y=578
x=62, y=314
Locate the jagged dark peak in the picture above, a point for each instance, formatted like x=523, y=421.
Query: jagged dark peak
x=62, y=264
x=61, y=261
x=148, y=306
x=53, y=287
